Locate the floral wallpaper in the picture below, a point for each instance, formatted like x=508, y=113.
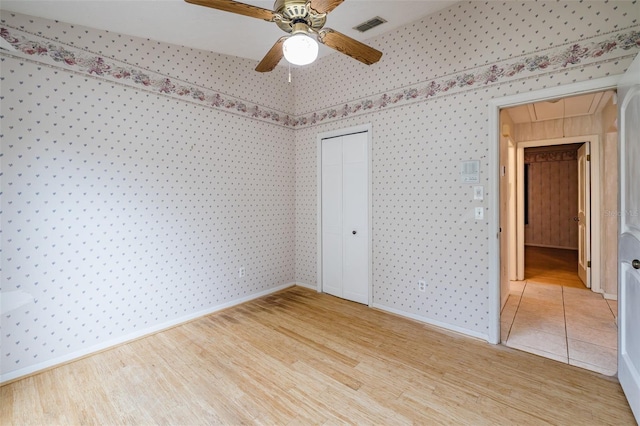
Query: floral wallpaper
x=574, y=54
x=427, y=102
x=128, y=204
x=555, y=59
x=42, y=50
x=553, y=199
x=137, y=209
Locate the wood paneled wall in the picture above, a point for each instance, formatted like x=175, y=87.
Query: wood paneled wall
x=506, y=139
x=553, y=197
x=609, y=193
x=554, y=129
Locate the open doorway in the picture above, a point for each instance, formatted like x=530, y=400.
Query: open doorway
x=558, y=187
x=552, y=224
x=558, y=274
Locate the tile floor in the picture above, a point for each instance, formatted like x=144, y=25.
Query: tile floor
x=570, y=325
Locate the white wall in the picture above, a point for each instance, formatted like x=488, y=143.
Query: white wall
x=137, y=178
x=427, y=101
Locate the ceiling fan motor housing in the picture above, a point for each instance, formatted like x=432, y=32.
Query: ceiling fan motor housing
x=295, y=12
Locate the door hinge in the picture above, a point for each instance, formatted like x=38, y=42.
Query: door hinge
x=588, y=157
x=588, y=264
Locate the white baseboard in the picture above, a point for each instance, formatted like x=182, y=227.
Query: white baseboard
x=430, y=321
x=610, y=296
x=301, y=284
x=55, y=362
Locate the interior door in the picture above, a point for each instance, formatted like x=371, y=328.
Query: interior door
x=355, y=271
x=584, y=221
x=629, y=238
x=345, y=217
x=332, y=216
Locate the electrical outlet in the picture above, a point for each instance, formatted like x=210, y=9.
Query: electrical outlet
x=422, y=285
x=241, y=272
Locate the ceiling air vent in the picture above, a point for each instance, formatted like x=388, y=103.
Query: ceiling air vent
x=371, y=23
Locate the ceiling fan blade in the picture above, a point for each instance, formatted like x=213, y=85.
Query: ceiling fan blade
x=236, y=7
x=325, y=6
x=350, y=47
x=273, y=57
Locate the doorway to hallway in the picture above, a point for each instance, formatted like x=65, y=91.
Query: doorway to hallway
x=547, y=309
x=552, y=314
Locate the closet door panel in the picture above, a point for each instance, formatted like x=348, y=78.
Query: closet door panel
x=332, y=257
x=355, y=214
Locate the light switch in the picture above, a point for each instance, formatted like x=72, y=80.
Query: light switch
x=478, y=192
x=479, y=213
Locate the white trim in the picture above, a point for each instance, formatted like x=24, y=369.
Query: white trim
x=610, y=297
x=519, y=213
x=446, y=326
x=495, y=105
x=309, y=286
x=493, y=216
x=55, y=362
x=368, y=128
x=370, y=207
x=319, y=213
x=511, y=214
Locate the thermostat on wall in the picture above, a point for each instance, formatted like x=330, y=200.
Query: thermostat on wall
x=470, y=171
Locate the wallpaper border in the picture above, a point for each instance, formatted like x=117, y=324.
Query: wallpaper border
x=59, y=55
x=568, y=56
x=603, y=49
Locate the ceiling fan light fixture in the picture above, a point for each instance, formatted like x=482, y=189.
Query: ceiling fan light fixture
x=298, y=18
x=300, y=49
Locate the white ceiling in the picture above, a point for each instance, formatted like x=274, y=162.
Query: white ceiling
x=574, y=106
x=177, y=22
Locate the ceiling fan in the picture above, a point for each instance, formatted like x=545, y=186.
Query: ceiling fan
x=301, y=19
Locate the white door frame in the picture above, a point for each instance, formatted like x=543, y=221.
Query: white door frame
x=332, y=134
x=594, y=256
x=589, y=86
x=511, y=223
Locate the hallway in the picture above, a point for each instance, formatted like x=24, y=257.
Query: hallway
x=552, y=314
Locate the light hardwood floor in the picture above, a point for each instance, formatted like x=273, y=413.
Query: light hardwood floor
x=300, y=357
x=552, y=266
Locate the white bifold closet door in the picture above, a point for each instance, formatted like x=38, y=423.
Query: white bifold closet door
x=345, y=227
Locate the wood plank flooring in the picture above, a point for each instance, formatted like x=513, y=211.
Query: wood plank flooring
x=552, y=266
x=300, y=357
